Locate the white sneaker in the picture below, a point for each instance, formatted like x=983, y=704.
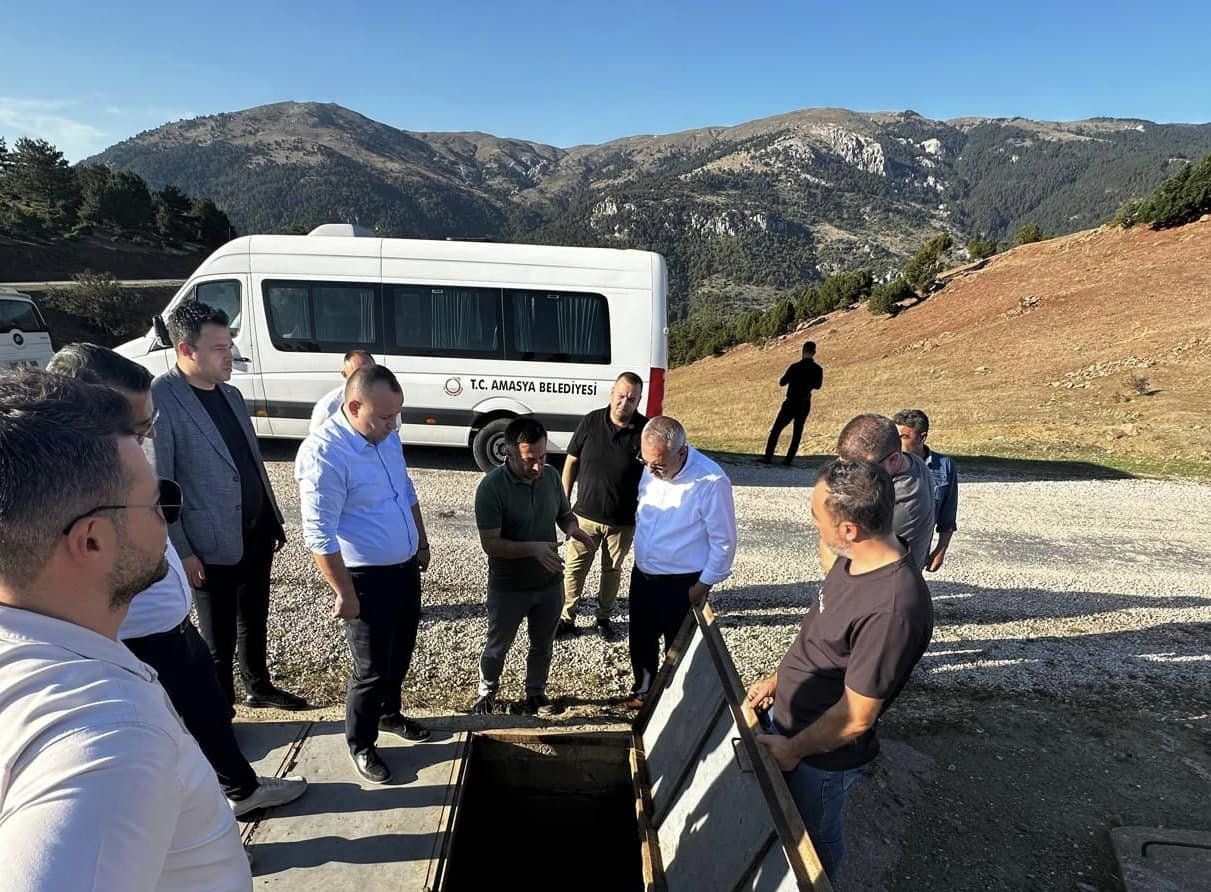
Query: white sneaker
x=270, y=791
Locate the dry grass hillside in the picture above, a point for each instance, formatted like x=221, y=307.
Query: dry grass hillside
x=1094, y=346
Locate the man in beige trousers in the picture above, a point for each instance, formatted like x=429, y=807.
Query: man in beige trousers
x=603, y=457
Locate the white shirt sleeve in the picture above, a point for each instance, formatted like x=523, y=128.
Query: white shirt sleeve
x=719, y=517
x=319, y=415
x=99, y=813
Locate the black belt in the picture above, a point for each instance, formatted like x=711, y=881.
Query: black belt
x=670, y=577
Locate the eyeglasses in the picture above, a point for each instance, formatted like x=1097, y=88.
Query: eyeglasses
x=889, y=455
x=167, y=505
x=148, y=428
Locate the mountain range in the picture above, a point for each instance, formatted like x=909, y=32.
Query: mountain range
x=741, y=212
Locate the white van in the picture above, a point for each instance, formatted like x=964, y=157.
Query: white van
x=478, y=333
x=24, y=338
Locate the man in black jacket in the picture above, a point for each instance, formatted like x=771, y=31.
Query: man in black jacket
x=800, y=379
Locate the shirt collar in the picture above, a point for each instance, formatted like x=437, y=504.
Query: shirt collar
x=517, y=481
x=343, y=424
x=26, y=625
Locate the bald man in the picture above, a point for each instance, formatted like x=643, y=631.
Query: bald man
x=332, y=401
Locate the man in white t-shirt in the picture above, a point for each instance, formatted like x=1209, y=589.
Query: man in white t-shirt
x=332, y=401
x=157, y=629
x=102, y=786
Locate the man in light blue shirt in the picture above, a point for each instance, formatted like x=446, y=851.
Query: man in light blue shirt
x=362, y=522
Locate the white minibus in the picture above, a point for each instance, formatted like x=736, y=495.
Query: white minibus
x=24, y=338
x=478, y=333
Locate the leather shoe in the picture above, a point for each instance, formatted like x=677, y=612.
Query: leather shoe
x=370, y=765
x=403, y=727
x=606, y=628
x=276, y=698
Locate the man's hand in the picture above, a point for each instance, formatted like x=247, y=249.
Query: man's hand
x=936, y=559
x=547, y=554
x=781, y=749
x=582, y=537
x=761, y=693
x=278, y=544
x=698, y=592
x=195, y=573
x=423, y=557
x=346, y=607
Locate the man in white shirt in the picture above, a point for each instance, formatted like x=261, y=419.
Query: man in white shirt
x=332, y=401
x=102, y=787
x=362, y=523
x=685, y=543
x=157, y=629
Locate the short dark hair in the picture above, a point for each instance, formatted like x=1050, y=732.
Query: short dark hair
x=353, y=353
x=58, y=459
x=100, y=365
x=524, y=429
x=868, y=438
x=809, y=348
x=914, y=418
x=860, y=492
x=362, y=381
x=631, y=378
x=186, y=320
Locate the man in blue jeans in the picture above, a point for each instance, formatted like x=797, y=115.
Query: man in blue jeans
x=856, y=648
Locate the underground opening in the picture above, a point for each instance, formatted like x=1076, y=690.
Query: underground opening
x=545, y=811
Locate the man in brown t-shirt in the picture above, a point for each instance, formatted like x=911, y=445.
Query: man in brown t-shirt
x=856, y=648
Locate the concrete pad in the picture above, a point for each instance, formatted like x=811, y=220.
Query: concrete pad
x=349, y=834
x=1152, y=860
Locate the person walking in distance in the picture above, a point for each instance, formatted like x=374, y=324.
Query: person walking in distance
x=229, y=534
x=157, y=628
x=874, y=438
x=331, y=402
x=855, y=651
x=362, y=522
x=913, y=425
x=800, y=379
x=518, y=508
x=102, y=787
x=685, y=543
x=603, y=462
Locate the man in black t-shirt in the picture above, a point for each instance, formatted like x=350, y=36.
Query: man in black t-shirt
x=800, y=379
x=230, y=525
x=603, y=457
x=855, y=650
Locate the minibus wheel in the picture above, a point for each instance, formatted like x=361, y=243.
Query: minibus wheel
x=488, y=447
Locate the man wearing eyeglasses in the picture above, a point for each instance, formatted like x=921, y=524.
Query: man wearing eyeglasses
x=875, y=438
x=157, y=628
x=685, y=543
x=102, y=786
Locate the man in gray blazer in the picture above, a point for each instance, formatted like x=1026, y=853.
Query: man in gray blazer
x=232, y=527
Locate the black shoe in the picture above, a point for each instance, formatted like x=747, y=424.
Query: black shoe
x=276, y=698
x=485, y=705
x=370, y=765
x=538, y=704
x=565, y=629
x=606, y=628
x=402, y=727
x=766, y=460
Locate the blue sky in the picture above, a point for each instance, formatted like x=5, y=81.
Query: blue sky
x=86, y=75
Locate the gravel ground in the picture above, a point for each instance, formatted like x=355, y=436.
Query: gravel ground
x=1088, y=588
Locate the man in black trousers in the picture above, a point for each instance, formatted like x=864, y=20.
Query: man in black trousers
x=157, y=628
x=362, y=523
x=800, y=379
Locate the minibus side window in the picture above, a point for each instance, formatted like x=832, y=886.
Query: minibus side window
x=225, y=296
x=20, y=314
x=551, y=326
x=322, y=317
x=445, y=320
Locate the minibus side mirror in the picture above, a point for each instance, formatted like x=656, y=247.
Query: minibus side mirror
x=163, y=341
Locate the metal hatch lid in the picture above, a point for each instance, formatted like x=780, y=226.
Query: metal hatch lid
x=718, y=811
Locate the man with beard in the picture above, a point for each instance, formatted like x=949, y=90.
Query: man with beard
x=603, y=459
x=856, y=648
x=102, y=787
x=232, y=528
x=157, y=629
x=362, y=523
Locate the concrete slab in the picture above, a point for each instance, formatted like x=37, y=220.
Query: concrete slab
x=1152, y=860
x=346, y=833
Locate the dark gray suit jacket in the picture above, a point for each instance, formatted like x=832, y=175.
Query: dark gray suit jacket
x=189, y=449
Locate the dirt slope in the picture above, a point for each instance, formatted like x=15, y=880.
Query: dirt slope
x=1027, y=357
